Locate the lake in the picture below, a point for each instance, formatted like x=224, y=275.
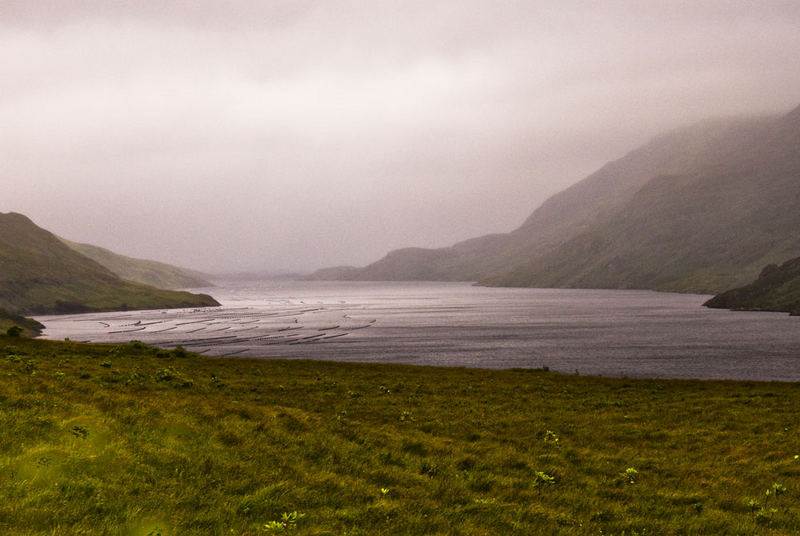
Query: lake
x=630, y=333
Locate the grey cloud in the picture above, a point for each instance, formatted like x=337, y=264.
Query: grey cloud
x=291, y=135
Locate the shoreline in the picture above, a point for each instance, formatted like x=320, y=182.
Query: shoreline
x=297, y=361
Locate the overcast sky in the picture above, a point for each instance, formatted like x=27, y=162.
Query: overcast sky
x=292, y=135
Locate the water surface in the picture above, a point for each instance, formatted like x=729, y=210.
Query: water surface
x=608, y=332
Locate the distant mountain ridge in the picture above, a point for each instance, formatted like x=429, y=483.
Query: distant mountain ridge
x=699, y=209
x=147, y=272
x=39, y=274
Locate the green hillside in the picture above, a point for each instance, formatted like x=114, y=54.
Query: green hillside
x=28, y=326
x=699, y=209
x=702, y=231
x=776, y=289
x=153, y=273
x=39, y=274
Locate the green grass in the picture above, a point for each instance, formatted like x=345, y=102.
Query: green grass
x=131, y=440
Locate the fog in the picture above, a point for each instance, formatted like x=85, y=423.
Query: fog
x=292, y=135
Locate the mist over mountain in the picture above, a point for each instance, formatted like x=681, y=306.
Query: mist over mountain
x=147, y=272
x=699, y=209
x=39, y=274
x=282, y=137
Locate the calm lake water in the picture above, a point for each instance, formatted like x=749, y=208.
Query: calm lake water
x=607, y=332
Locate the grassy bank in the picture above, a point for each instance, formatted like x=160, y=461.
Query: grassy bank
x=26, y=327
x=100, y=439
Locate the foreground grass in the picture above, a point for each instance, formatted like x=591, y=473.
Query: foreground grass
x=100, y=439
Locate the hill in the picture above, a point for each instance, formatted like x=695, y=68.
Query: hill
x=153, y=273
x=704, y=230
x=776, y=289
x=39, y=274
x=28, y=326
x=334, y=273
x=698, y=209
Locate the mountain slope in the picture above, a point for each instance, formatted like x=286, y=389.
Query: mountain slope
x=39, y=274
x=153, y=273
x=683, y=212
x=703, y=231
x=776, y=289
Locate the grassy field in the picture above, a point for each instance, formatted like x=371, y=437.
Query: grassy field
x=131, y=440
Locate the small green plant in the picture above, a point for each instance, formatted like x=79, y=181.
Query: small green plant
x=170, y=375
x=764, y=513
x=776, y=489
x=764, y=516
x=551, y=437
x=406, y=416
x=630, y=475
x=287, y=522
x=541, y=478
x=384, y=491
x=29, y=366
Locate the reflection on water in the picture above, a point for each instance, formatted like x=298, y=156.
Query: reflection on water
x=608, y=332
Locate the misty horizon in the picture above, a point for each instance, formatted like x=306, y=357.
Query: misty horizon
x=299, y=135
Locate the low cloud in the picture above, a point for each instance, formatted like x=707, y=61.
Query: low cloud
x=293, y=135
